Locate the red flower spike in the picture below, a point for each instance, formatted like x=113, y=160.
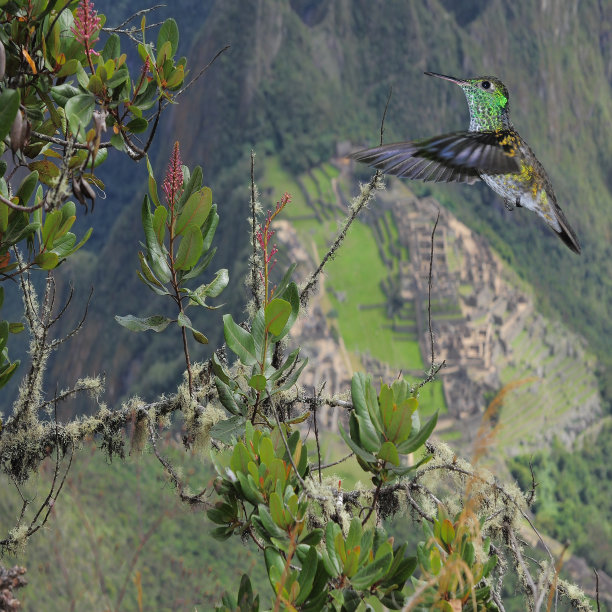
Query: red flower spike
x=173, y=183
x=86, y=25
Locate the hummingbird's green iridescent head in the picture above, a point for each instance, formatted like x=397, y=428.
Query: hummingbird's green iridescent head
x=487, y=98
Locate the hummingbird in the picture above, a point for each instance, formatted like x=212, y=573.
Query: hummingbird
x=491, y=150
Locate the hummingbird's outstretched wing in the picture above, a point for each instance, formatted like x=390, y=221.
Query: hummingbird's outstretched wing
x=456, y=157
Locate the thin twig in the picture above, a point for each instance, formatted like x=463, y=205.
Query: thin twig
x=61, y=142
x=27, y=209
x=382, y=123
x=434, y=368
x=197, y=76
x=328, y=465
x=131, y=17
x=429, y=282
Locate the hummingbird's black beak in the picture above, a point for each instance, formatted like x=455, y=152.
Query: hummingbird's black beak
x=447, y=78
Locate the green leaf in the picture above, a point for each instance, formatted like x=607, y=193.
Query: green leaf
x=117, y=142
x=284, y=282
x=16, y=328
x=417, y=440
x=63, y=246
x=371, y=573
x=195, y=211
x=48, y=172
x=219, y=369
x=312, y=538
x=164, y=53
x=277, y=314
x=307, y=575
x=82, y=242
x=184, y=321
x=258, y=331
x=159, y=223
x=229, y=430
x=156, y=287
x=276, y=510
x=198, y=336
x=96, y=87
x=112, y=48
x=50, y=227
x=79, y=111
x=47, y=260
x=293, y=377
x=354, y=535
x=156, y=323
x=258, y=382
x=274, y=564
x=202, y=265
x=245, y=596
x=358, y=391
x=24, y=193
x=222, y=514
x=190, y=249
x=388, y=452
x=447, y=533
x=333, y=564
x=216, y=286
x=239, y=341
x=4, y=216
x=119, y=77
x=222, y=533
x=490, y=563
x=209, y=228
x=155, y=256
x=292, y=295
x=291, y=359
x=62, y=93
x=152, y=184
x=137, y=125
x=240, y=458
x=9, y=105
x=175, y=78
x=226, y=397
x=7, y=371
x=168, y=32
x=69, y=68
x=368, y=435
x=398, y=421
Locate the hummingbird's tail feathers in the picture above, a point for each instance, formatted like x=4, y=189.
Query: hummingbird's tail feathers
x=566, y=233
x=401, y=159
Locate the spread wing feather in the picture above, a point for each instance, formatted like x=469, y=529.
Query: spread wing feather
x=456, y=157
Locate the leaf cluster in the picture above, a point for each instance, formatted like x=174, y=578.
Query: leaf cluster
x=384, y=426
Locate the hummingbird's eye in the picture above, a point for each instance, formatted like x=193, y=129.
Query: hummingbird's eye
x=486, y=85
